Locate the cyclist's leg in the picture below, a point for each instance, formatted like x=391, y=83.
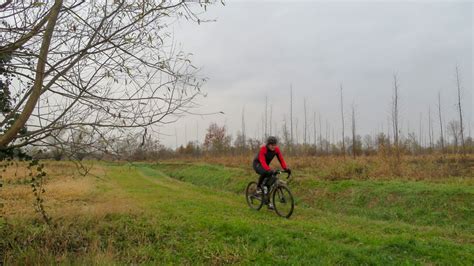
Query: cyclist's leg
x=262, y=172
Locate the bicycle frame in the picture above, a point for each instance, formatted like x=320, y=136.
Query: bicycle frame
x=279, y=187
x=278, y=182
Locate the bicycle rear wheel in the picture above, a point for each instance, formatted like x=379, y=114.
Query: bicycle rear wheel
x=253, y=199
x=283, y=201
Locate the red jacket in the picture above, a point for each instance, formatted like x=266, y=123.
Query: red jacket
x=265, y=157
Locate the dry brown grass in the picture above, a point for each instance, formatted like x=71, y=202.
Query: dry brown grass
x=427, y=167
x=67, y=193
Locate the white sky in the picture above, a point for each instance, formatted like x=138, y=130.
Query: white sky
x=258, y=48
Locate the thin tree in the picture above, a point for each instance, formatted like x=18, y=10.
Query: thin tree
x=320, y=133
x=305, y=122
x=430, y=130
x=285, y=133
x=420, y=137
x=342, y=121
x=314, y=130
x=395, y=117
x=460, y=111
x=243, y=128
x=440, y=123
x=354, y=152
x=291, y=116
x=327, y=136
x=333, y=138
x=296, y=132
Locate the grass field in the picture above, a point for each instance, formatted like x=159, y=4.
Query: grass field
x=195, y=213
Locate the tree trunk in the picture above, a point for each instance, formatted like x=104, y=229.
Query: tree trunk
x=20, y=122
x=342, y=121
x=353, y=133
x=460, y=111
x=440, y=123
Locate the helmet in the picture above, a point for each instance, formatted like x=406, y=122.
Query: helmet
x=272, y=140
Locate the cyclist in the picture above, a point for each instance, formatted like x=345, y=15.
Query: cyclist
x=262, y=161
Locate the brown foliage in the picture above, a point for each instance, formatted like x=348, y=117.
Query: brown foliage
x=427, y=167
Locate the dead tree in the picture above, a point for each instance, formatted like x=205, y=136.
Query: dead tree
x=440, y=123
x=314, y=130
x=320, y=134
x=430, y=128
x=305, y=122
x=342, y=121
x=395, y=117
x=291, y=116
x=243, y=128
x=354, y=145
x=458, y=82
x=327, y=136
x=296, y=132
x=420, y=134
x=285, y=132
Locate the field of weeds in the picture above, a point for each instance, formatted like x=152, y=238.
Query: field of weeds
x=193, y=211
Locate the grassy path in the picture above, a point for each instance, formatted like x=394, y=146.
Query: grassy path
x=195, y=224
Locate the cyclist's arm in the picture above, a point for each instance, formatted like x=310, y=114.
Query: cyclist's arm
x=280, y=158
x=261, y=158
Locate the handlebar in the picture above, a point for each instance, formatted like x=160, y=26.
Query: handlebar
x=279, y=171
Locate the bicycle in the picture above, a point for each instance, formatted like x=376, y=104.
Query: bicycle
x=279, y=193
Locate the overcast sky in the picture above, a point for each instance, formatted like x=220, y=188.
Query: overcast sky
x=258, y=48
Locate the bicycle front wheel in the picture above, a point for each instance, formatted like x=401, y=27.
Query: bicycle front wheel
x=254, y=200
x=283, y=201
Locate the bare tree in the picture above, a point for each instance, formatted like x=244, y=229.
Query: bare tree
x=440, y=123
x=305, y=122
x=314, y=130
x=243, y=127
x=107, y=67
x=460, y=111
x=454, y=128
x=285, y=133
x=291, y=115
x=327, y=136
x=420, y=134
x=296, y=132
x=320, y=133
x=342, y=121
x=430, y=128
x=354, y=146
x=395, y=117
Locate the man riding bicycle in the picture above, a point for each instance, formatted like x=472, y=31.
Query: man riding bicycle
x=262, y=161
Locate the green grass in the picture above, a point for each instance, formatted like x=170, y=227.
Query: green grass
x=205, y=220
x=214, y=176
x=216, y=226
x=415, y=202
